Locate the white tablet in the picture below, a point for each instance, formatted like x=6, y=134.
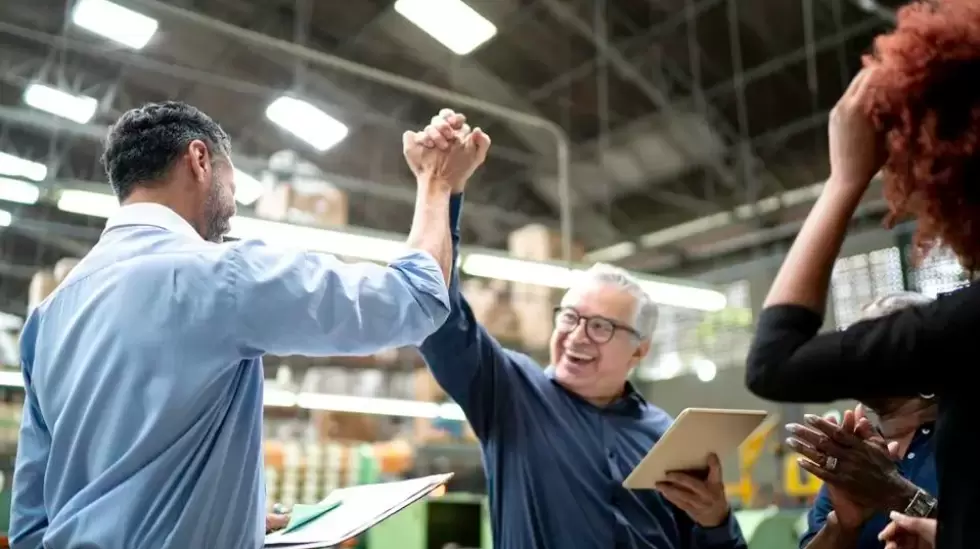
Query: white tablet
x=694, y=435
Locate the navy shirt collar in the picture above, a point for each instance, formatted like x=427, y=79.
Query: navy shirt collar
x=630, y=402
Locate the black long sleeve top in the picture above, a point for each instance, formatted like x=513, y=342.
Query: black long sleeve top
x=920, y=350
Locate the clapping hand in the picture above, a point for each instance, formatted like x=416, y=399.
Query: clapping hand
x=447, y=150
x=703, y=499
x=853, y=460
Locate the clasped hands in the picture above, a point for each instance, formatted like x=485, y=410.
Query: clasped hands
x=447, y=151
x=861, y=474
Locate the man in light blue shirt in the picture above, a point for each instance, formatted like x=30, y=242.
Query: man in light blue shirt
x=142, y=425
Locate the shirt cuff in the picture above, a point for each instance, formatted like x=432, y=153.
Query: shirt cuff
x=455, y=212
x=721, y=535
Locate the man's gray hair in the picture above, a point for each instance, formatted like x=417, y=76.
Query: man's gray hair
x=645, y=313
x=892, y=303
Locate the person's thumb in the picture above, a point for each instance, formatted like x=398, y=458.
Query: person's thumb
x=893, y=450
x=480, y=142
x=922, y=527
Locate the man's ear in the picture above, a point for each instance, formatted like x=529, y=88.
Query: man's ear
x=199, y=160
x=641, y=351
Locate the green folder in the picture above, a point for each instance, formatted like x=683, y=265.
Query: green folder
x=302, y=515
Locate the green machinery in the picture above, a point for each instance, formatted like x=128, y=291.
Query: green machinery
x=464, y=520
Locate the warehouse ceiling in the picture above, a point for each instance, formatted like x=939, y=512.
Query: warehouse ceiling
x=675, y=110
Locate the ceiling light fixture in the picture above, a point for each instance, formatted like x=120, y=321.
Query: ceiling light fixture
x=88, y=203
x=110, y=20
x=306, y=122
x=21, y=167
x=15, y=190
x=386, y=248
x=452, y=23
x=77, y=108
x=6, y=218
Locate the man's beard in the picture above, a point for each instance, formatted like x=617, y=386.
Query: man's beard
x=217, y=220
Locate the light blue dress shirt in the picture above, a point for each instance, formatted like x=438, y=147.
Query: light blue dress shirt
x=142, y=425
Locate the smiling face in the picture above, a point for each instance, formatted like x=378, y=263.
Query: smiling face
x=594, y=345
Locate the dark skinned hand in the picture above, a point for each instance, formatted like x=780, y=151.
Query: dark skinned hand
x=865, y=470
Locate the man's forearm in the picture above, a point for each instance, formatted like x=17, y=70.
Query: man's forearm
x=430, y=224
x=834, y=536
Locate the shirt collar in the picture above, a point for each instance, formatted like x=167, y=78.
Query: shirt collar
x=148, y=214
x=630, y=401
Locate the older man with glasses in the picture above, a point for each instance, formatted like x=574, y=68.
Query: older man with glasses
x=558, y=441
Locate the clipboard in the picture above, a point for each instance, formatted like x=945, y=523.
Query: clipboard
x=353, y=511
x=691, y=438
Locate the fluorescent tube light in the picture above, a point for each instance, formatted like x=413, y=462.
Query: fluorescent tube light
x=78, y=108
x=110, y=20
x=247, y=188
x=451, y=22
x=306, y=122
x=6, y=218
x=10, y=378
x=88, y=203
x=385, y=249
x=378, y=406
x=21, y=167
x=15, y=190
x=556, y=276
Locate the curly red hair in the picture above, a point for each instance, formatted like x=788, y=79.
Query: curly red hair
x=926, y=100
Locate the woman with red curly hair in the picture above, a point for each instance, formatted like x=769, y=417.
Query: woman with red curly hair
x=914, y=114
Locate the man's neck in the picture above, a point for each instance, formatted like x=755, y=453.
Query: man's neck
x=151, y=195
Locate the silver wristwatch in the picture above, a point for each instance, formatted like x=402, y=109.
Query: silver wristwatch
x=922, y=505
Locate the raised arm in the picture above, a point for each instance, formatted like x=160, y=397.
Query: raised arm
x=464, y=358
x=292, y=302
x=874, y=358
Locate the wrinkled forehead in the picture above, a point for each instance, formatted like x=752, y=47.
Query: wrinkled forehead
x=599, y=299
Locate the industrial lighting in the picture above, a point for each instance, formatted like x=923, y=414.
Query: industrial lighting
x=15, y=190
x=453, y=23
x=374, y=248
x=378, y=406
x=78, y=108
x=518, y=270
x=21, y=167
x=109, y=20
x=705, y=369
x=319, y=240
x=556, y=276
x=247, y=188
x=88, y=203
x=6, y=218
x=306, y=122
x=9, y=378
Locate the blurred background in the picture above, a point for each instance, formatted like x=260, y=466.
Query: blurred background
x=684, y=140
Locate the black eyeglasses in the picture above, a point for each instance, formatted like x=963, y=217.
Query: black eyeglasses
x=599, y=329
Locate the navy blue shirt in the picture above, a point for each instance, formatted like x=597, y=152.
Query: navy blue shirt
x=555, y=463
x=918, y=465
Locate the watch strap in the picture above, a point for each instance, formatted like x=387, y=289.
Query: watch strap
x=922, y=505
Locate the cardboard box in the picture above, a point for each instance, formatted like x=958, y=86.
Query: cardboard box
x=42, y=284
x=326, y=207
x=540, y=243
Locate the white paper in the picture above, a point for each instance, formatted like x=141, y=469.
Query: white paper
x=362, y=507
